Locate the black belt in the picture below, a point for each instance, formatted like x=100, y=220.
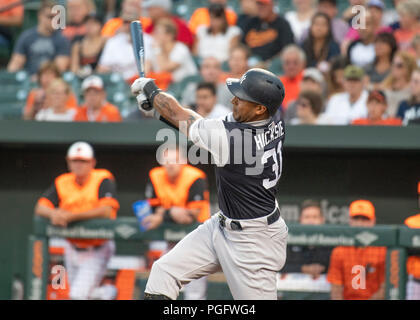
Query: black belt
x=236, y=225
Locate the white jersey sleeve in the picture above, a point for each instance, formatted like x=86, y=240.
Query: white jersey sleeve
x=211, y=135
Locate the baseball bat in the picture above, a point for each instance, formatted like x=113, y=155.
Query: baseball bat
x=138, y=48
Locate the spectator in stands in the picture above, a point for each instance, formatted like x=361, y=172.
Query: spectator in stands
x=413, y=259
x=374, y=11
x=349, y=13
x=168, y=54
x=206, y=102
x=201, y=16
x=343, y=260
x=35, y=101
x=178, y=193
x=294, y=61
x=320, y=46
x=82, y=194
x=160, y=9
x=416, y=47
x=314, y=81
x=300, y=18
x=96, y=108
x=218, y=38
x=86, y=50
x=56, y=103
x=309, y=106
x=335, y=75
x=344, y=107
x=339, y=26
x=409, y=12
x=248, y=10
x=361, y=52
x=396, y=85
x=39, y=44
x=268, y=33
x=385, y=49
x=391, y=16
x=376, y=115
x=238, y=65
x=77, y=14
x=128, y=8
x=238, y=61
x=118, y=55
x=409, y=110
x=210, y=71
x=8, y=19
x=311, y=260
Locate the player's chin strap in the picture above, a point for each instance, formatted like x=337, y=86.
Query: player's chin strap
x=150, y=296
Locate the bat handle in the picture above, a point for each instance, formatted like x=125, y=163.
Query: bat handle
x=146, y=106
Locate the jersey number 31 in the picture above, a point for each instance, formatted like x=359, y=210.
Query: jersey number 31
x=267, y=183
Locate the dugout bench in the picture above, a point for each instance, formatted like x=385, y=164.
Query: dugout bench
x=396, y=238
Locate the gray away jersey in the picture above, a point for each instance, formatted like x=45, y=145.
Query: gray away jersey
x=248, y=158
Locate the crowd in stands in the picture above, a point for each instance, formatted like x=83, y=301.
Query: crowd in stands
x=358, y=66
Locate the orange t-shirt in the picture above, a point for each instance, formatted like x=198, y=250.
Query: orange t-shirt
x=291, y=88
x=16, y=11
x=178, y=194
x=112, y=26
x=404, y=38
x=382, y=122
x=201, y=16
x=30, y=100
x=341, y=272
x=108, y=113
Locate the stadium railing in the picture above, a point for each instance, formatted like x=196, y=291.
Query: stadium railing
x=396, y=238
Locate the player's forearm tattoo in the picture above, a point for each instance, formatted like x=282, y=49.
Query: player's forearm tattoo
x=170, y=109
x=162, y=103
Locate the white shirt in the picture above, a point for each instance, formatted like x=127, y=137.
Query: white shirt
x=119, y=57
x=50, y=115
x=362, y=55
x=298, y=27
x=181, y=55
x=322, y=119
x=219, y=111
x=210, y=45
x=341, y=112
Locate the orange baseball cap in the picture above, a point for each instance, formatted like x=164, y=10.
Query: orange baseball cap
x=265, y=1
x=362, y=208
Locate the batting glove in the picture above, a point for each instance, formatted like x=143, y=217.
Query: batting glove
x=138, y=85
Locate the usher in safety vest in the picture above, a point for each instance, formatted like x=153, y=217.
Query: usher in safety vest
x=413, y=262
x=176, y=195
x=76, y=198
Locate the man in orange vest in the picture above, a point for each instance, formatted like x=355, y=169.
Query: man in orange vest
x=413, y=260
x=178, y=193
x=350, y=262
x=82, y=194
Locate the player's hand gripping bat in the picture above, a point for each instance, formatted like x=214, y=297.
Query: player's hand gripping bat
x=138, y=48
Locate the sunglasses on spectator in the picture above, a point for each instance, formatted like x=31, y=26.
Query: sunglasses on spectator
x=398, y=65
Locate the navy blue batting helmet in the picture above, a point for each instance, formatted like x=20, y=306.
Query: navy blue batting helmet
x=258, y=86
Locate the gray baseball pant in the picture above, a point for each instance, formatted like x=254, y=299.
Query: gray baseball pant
x=250, y=258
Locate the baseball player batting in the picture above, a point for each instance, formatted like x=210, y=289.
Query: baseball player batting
x=246, y=239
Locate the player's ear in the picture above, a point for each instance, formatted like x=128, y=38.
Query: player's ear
x=260, y=109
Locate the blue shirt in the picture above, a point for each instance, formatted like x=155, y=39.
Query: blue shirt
x=38, y=48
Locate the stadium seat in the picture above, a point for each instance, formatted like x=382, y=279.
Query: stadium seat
x=14, y=90
x=176, y=89
x=275, y=66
